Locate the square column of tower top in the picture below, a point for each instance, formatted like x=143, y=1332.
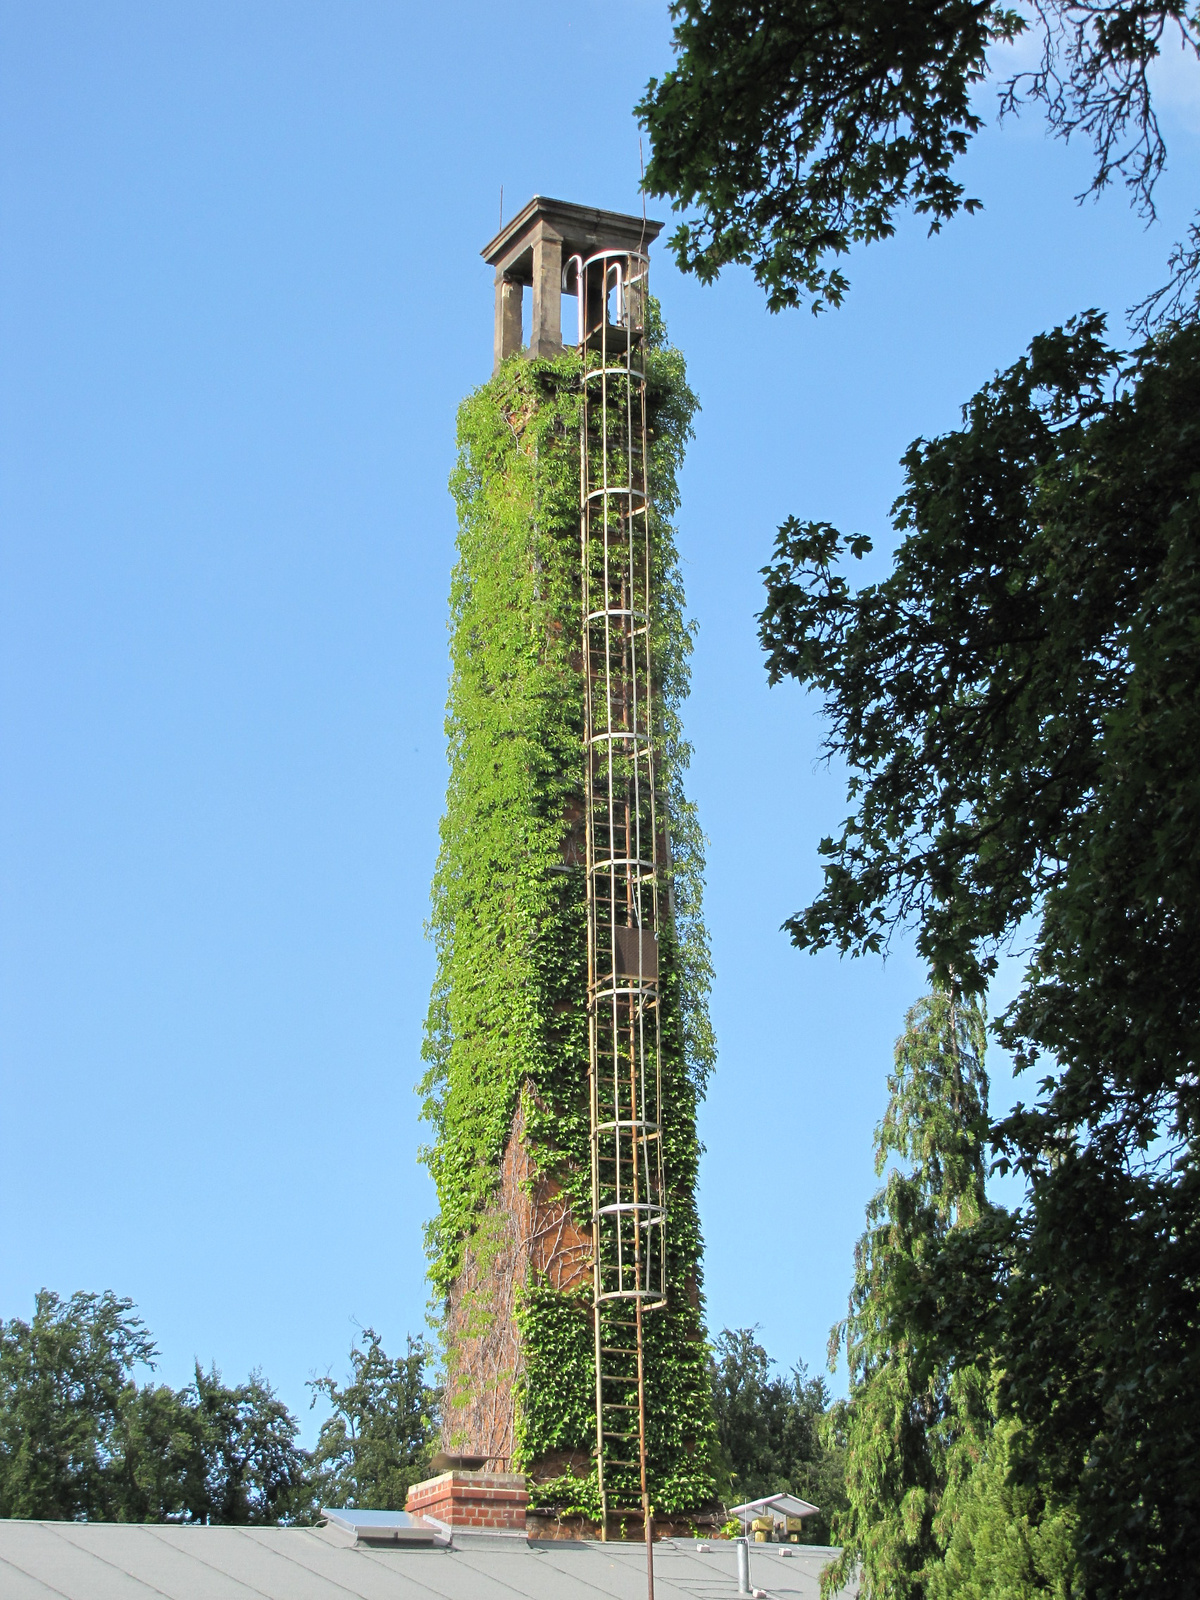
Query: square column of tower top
x=532, y=251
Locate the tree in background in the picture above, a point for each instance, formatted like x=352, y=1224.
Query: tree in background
x=159, y=1462
x=79, y=1440
x=769, y=1428
x=789, y=130
x=64, y=1389
x=1001, y=1534
x=1019, y=706
x=252, y=1470
x=904, y=1399
x=926, y=1468
x=380, y=1437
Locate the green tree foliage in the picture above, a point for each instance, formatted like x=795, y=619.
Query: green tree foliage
x=79, y=1439
x=209, y=1453
x=789, y=130
x=908, y=1403
x=64, y=1384
x=380, y=1436
x=159, y=1468
x=769, y=1427
x=252, y=1470
x=999, y=1536
x=1019, y=706
x=944, y=1502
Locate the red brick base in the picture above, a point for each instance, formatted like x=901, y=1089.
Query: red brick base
x=474, y=1501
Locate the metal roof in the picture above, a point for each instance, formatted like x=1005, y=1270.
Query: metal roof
x=127, y=1561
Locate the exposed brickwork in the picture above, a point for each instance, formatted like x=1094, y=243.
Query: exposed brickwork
x=530, y=1235
x=550, y=1525
x=483, y=1501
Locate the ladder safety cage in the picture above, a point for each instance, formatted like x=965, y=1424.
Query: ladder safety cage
x=623, y=867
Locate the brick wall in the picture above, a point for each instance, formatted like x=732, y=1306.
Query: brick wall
x=479, y=1501
x=528, y=1235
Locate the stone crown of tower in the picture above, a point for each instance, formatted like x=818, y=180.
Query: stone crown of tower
x=534, y=249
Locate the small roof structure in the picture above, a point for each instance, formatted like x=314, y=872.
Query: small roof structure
x=388, y=1527
x=779, y=1507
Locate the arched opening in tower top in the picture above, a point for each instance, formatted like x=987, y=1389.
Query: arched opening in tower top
x=534, y=253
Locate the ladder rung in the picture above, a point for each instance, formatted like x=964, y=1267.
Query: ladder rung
x=617, y=1377
x=617, y=1405
x=610, y=1434
x=615, y=1350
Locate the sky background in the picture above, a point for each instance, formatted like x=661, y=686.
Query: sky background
x=240, y=299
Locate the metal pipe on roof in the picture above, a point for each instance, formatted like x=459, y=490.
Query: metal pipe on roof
x=743, y=1565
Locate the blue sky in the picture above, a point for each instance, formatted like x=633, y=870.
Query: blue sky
x=240, y=299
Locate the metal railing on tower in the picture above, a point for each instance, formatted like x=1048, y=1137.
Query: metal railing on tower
x=625, y=850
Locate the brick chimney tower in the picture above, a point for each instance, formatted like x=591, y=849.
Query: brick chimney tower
x=568, y=1037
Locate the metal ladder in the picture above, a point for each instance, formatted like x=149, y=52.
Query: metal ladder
x=623, y=866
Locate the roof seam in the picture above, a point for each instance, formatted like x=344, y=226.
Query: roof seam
x=105, y=1562
x=41, y=1582
x=244, y=1533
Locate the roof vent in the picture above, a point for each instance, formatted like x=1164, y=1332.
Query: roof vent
x=387, y=1527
